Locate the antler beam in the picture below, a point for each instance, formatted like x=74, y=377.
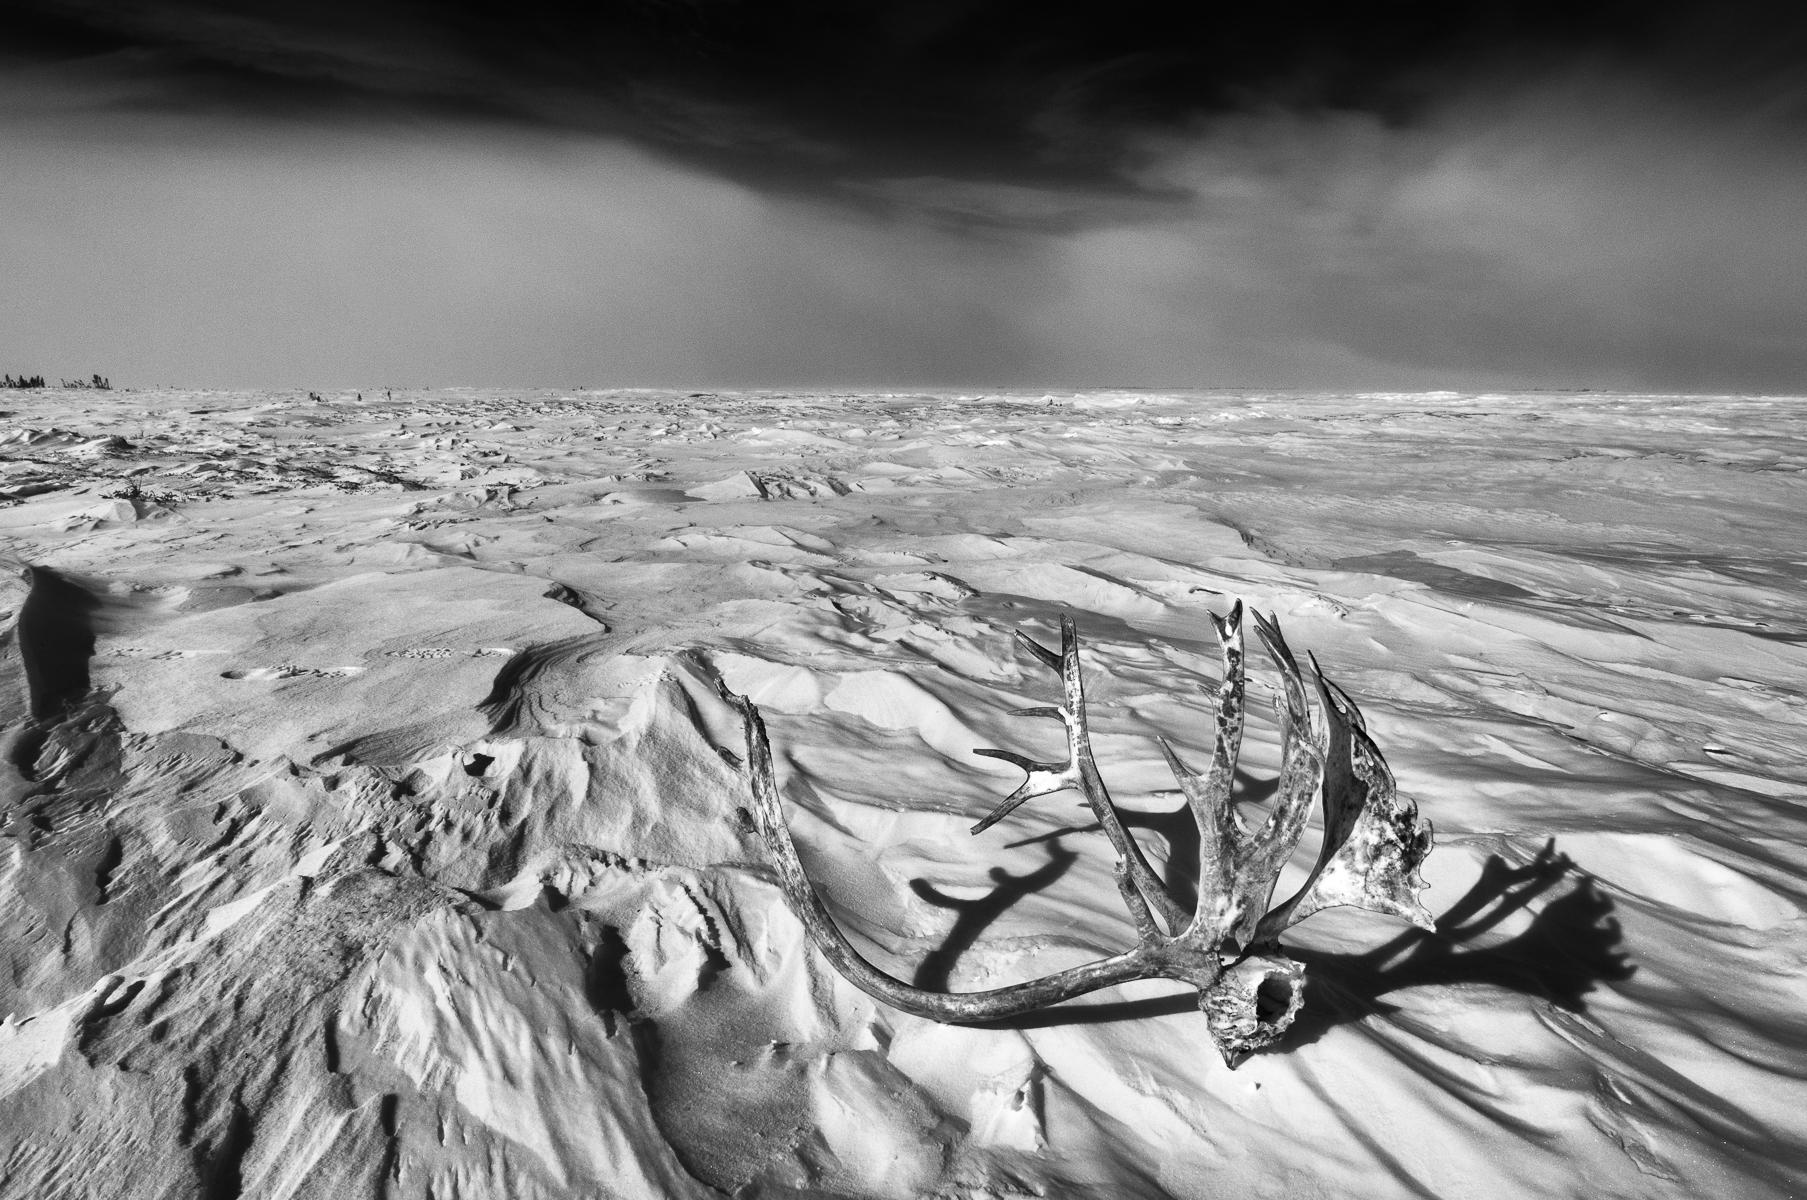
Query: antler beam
x=1225, y=947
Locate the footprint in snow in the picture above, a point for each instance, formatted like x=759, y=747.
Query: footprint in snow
x=146, y=652
x=424, y=652
x=288, y=671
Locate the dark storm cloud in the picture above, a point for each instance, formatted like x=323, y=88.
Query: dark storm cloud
x=825, y=90
x=1315, y=195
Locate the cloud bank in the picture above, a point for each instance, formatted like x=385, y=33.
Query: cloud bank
x=338, y=197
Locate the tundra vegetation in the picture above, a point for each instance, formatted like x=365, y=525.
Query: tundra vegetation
x=96, y=382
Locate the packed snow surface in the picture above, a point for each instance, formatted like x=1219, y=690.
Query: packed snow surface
x=373, y=824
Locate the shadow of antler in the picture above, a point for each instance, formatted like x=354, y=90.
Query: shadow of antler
x=1572, y=944
x=981, y=911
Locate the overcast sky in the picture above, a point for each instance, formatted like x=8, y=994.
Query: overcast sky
x=336, y=193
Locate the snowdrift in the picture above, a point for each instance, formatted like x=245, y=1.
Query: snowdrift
x=374, y=823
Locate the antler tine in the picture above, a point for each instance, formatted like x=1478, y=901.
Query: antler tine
x=1043, y=779
x=1220, y=828
x=1342, y=720
x=1290, y=706
x=1136, y=879
x=1045, y=656
x=1209, y=792
x=1301, y=767
x=1343, y=799
x=1341, y=698
x=1141, y=887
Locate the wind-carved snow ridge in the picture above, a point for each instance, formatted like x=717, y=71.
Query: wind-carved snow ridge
x=373, y=823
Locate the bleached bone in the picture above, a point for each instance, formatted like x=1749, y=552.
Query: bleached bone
x=1225, y=946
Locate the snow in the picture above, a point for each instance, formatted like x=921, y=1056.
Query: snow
x=373, y=821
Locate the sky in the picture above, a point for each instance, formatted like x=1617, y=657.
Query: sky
x=832, y=193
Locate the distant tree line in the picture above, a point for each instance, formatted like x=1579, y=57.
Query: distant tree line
x=98, y=382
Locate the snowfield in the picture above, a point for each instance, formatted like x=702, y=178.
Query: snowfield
x=373, y=822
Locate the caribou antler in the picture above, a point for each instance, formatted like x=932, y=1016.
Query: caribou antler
x=1225, y=946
